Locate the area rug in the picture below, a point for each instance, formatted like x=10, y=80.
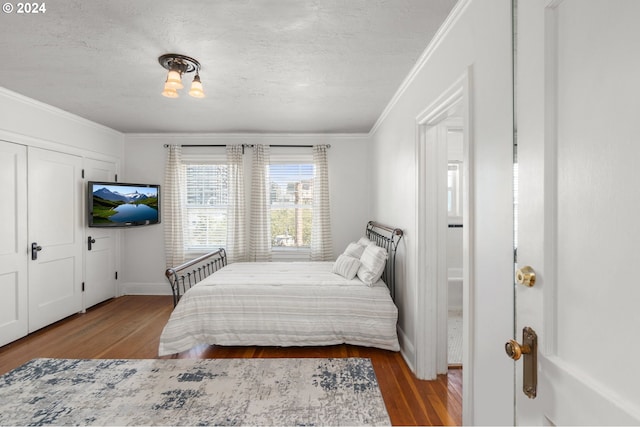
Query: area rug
x=192, y=392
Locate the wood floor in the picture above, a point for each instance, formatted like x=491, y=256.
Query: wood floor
x=129, y=328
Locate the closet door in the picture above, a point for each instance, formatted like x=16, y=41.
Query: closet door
x=55, y=236
x=100, y=266
x=13, y=242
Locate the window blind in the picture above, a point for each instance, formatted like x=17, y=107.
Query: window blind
x=206, y=206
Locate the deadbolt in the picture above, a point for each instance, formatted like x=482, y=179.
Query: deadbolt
x=526, y=276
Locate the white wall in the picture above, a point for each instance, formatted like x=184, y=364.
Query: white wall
x=30, y=122
x=478, y=41
x=143, y=257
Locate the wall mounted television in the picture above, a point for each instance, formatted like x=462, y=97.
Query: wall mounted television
x=115, y=204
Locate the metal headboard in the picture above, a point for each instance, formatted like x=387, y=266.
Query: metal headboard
x=388, y=238
x=184, y=276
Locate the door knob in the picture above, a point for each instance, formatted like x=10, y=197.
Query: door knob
x=526, y=276
x=515, y=350
x=34, y=250
x=528, y=348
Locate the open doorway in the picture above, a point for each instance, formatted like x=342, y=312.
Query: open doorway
x=444, y=208
x=455, y=167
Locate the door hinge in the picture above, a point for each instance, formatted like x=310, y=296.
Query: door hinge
x=83, y=173
x=116, y=178
x=82, y=286
x=116, y=275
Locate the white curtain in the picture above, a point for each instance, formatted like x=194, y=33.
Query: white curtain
x=172, y=204
x=236, y=240
x=321, y=243
x=260, y=228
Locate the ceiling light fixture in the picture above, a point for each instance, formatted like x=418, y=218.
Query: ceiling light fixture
x=177, y=66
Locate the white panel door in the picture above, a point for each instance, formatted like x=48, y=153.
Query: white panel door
x=100, y=260
x=55, y=226
x=13, y=242
x=578, y=101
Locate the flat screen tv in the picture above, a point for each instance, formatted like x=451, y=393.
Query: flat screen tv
x=115, y=204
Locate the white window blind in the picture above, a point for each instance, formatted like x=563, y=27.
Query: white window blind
x=206, y=205
x=454, y=193
x=291, y=196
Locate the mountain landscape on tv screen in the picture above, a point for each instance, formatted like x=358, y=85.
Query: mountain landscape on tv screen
x=140, y=205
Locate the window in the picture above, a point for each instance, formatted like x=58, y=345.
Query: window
x=291, y=195
x=205, y=205
x=454, y=193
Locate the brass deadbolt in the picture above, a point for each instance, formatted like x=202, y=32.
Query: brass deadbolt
x=526, y=276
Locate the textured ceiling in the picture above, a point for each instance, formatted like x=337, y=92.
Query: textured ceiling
x=299, y=66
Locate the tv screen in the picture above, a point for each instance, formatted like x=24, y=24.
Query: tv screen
x=114, y=204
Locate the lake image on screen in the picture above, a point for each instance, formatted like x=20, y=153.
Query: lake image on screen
x=134, y=213
x=121, y=204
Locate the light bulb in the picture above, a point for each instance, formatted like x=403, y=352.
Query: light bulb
x=196, y=88
x=169, y=92
x=174, y=80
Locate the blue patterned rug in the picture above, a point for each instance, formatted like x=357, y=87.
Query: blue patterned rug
x=192, y=392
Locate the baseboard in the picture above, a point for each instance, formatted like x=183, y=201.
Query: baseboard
x=407, y=350
x=145, y=289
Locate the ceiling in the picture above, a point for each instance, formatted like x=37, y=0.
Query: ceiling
x=268, y=66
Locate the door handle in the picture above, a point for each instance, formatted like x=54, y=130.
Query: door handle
x=528, y=349
x=34, y=250
x=90, y=241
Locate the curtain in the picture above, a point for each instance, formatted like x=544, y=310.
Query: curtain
x=236, y=241
x=172, y=204
x=260, y=228
x=321, y=243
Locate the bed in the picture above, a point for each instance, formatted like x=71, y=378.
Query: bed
x=288, y=303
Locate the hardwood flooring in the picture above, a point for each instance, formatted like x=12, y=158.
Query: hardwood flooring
x=129, y=327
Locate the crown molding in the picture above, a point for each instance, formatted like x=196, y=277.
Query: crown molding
x=271, y=137
x=444, y=29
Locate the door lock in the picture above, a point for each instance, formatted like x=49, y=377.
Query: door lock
x=526, y=276
x=528, y=349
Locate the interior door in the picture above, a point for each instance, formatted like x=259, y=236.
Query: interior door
x=13, y=241
x=55, y=236
x=577, y=103
x=100, y=259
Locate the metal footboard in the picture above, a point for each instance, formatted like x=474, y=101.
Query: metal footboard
x=183, y=277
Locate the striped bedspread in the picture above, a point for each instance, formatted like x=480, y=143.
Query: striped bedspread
x=281, y=304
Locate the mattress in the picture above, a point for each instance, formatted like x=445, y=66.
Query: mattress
x=281, y=304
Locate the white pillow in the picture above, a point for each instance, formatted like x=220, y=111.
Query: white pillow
x=365, y=242
x=346, y=266
x=354, y=250
x=372, y=263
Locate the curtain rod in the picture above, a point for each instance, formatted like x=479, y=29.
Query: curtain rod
x=244, y=145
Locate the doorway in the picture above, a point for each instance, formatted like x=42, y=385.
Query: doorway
x=444, y=200
x=455, y=167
